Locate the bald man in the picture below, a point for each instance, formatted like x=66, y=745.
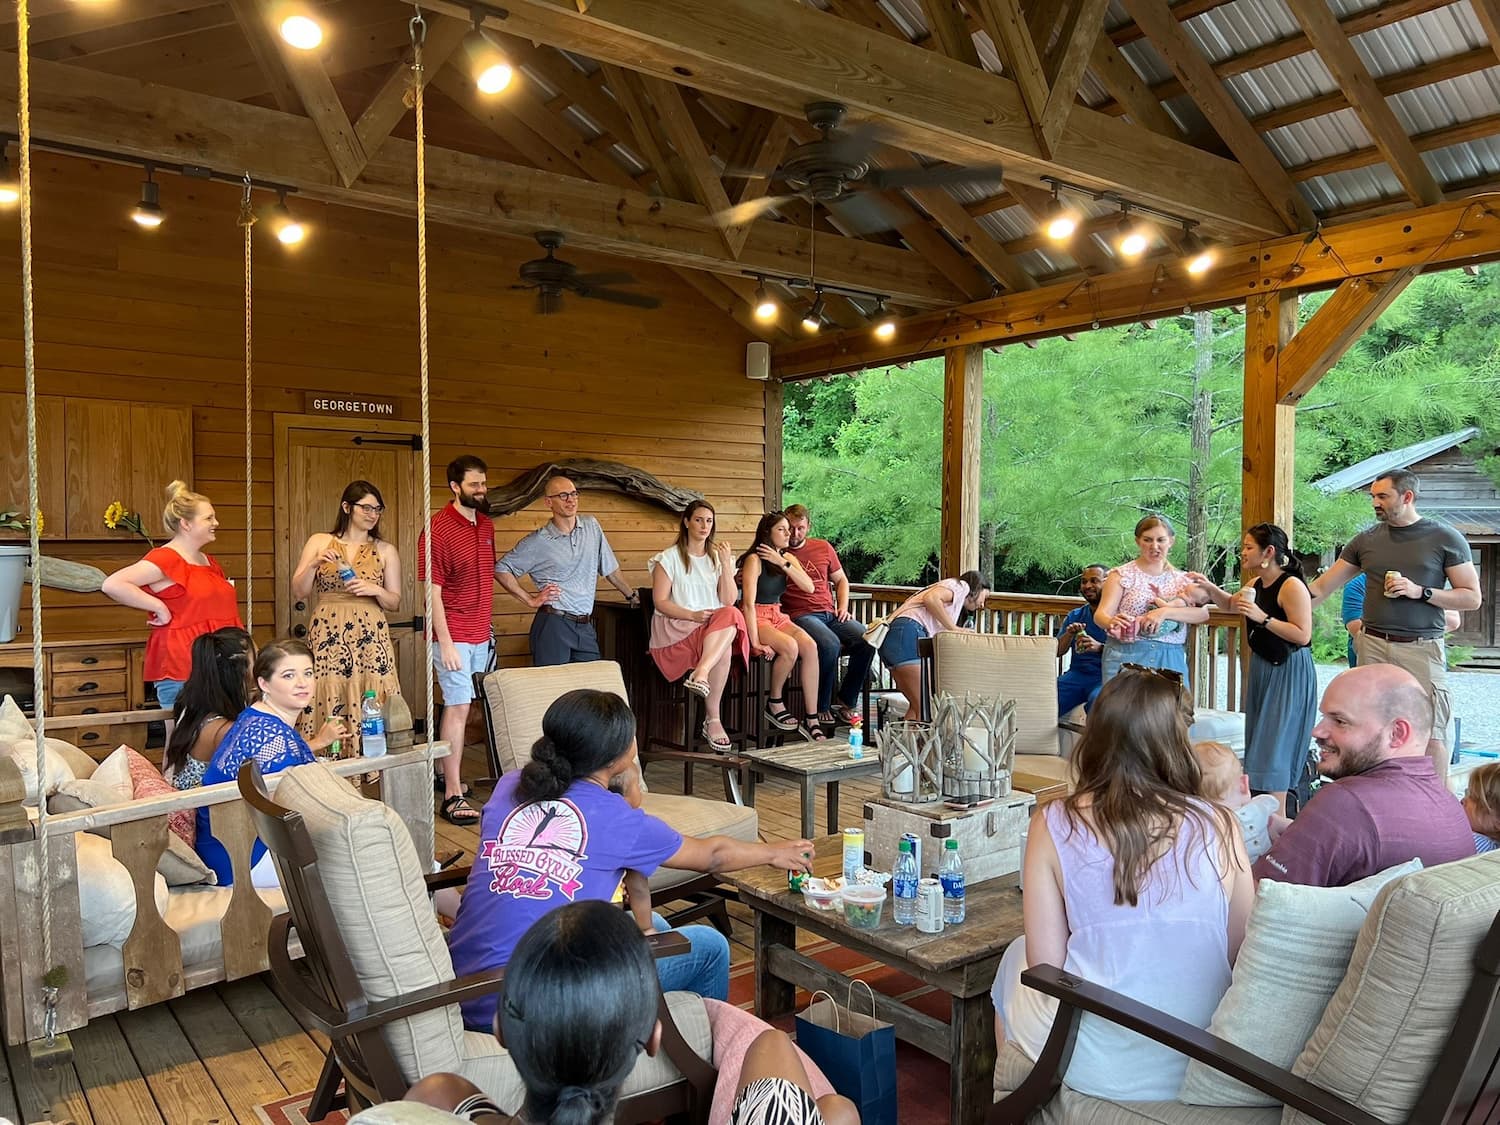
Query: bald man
x=1386, y=804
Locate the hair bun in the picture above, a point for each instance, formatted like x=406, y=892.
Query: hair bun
x=176, y=487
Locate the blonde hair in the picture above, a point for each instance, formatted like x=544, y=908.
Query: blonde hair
x=1221, y=769
x=1484, y=791
x=182, y=504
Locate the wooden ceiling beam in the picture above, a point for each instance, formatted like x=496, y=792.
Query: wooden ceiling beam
x=780, y=54
x=950, y=29
x=321, y=101
x=574, y=85
x=1080, y=31
x=1182, y=11
x=1222, y=112
x=1487, y=12
x=702, y=174
x=263, y=45
x=627, y=88
x=389, y=105
x=1424, y=238
x=1374, y=112
x=1332, y=330
x=1130, y=90
x=1020, y=57
x=72, y=21
x=1477, y=129
x=159, y=123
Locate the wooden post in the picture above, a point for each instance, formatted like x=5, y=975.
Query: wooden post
x=1269, y=427
x=775, y=404
x=963, y=392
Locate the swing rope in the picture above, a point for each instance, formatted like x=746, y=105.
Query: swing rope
x=55, y=975
x=418, y=30
x=247, y=222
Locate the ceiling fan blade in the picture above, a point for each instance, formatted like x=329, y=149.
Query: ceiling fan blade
x=748, y=211
x=939, y=175
x=863, y=212
x=548, y=301
x=620, y=297
x=594, y=280
x=856, y=143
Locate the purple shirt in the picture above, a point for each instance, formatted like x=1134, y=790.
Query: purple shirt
x=1393, y=812
x=540, y=856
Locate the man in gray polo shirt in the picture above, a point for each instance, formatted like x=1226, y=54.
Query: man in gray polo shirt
x=565, y=558
x=1414, y=569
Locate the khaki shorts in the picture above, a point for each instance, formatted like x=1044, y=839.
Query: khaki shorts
x=1427, y=660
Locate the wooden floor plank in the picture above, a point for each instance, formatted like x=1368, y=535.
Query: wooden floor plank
x=292, y=1055
x=185, y=1093
x=117, y=1091
x=244, y=1079
x=8, y=1104
x=51, y=1093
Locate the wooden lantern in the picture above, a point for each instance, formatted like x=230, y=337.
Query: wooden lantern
x=911, y=767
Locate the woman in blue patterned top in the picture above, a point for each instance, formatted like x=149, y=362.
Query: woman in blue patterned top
x=265, y=731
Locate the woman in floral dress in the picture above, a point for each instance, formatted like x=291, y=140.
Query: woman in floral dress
x=350, y=640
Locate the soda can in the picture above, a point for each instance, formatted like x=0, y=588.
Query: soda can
x=1390, y=574
x=916, y=848
x=930, y=906
x=854, y=852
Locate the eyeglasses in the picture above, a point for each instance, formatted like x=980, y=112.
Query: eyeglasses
x=372, y=509
x=1167, y=674
x=564, y=495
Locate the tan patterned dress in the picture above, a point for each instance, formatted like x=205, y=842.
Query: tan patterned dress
x=351, y=646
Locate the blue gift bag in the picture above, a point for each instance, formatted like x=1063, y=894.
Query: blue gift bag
x=855, y=1052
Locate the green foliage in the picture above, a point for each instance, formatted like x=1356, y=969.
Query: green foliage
x=1082, y=437
x=1330, y=640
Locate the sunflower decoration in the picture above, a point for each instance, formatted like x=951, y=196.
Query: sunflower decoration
x=11, y=519
x=116, y=516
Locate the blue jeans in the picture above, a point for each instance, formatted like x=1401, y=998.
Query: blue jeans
x=703, y=969
x=833, y=637
x=1146, y=651
x=167, y=692
x=1075, y=689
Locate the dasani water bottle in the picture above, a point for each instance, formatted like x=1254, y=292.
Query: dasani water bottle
x=371, y=727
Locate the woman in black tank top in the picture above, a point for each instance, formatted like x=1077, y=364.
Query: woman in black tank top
x=1281, y=691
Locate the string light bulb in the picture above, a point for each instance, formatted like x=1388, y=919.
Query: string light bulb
x=885, y=323
x=287, y=229
x=488, y=64
x=1059, y=222
x=765, y=308
x=147, y=212
x=10, y=186
x=1131, y=238
x=1200, y=253
x=813, y=321
x=302, y=31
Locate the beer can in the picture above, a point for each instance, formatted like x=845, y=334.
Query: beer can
x=854, y=852
x=1390, y=574
x=930, y=906
x=916, y=848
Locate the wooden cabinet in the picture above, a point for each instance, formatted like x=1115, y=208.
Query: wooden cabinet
x=92, y=453
x=89, y=677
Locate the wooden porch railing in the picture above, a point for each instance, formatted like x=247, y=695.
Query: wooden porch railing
x=1214, y=652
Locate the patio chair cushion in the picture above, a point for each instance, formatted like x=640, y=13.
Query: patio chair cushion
x=375, y=889
x=1385, y=1026
x=517, y=699
x=1020, y=668
x=1296, y=952
x=1070, y=1107
x=693, y=816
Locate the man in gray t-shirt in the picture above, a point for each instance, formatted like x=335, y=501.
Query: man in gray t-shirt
x=1414, y=569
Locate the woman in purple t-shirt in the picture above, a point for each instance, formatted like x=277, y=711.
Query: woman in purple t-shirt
x=554, y=833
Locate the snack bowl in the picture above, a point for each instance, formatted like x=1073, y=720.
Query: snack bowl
x=862, y=905
x=823, y=894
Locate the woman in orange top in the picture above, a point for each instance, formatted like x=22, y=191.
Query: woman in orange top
x=183, y=591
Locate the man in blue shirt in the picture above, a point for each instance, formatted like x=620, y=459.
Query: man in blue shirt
x=1353, y=612
x=1085, y=674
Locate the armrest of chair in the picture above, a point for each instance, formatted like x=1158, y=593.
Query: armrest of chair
x=1076, y=728
x=449, y=877
x=668, y=943
x=1077, y=996
x=719, y=761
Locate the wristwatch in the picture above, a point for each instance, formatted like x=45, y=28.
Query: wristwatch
x=1427, y=593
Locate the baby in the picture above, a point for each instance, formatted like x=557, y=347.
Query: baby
x=1482, y=803
x=1224, y=782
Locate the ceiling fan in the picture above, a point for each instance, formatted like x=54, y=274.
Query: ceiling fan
x=839, y=163
x=551, y=277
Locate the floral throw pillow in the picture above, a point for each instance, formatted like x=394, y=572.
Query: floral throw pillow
x=146, y=781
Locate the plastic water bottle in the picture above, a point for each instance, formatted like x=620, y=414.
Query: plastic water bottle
x=371, y=727
x=856, y=741
x=346, y=572
x=904, y=884
x=952, y=876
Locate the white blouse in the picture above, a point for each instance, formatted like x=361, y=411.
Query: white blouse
x=695, y=586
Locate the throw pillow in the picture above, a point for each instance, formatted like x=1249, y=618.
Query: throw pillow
x=115, y=771
x=105, y=893
x=13, y=721
x=145, y=781
x=179, y=864
x=1296, y=952
x=22, y=751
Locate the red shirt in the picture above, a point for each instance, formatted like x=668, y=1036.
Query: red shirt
x=201, y=600
x=819, y=559
x=463, y=566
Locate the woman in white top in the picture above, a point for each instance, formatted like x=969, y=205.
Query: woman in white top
x=942, y=607
x=695, y=626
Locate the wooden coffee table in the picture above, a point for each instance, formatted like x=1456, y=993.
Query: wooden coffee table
x=960, y=961
x=810, y=764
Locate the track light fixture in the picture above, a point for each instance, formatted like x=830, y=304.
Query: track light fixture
x=885, y=323
x=147, y=213
x=488, y=64
x=1199, y=253
x=765, y=307
x=1058, y=221
x=286, y=228
x=1131, y=237
x=10, y=186
x=300, y=30
x=813, y=321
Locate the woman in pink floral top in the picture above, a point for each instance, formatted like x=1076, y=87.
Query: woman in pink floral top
x=1147, y=604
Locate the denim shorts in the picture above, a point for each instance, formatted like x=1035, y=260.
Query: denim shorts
x=167, y=692
x=900, y=645
x=458, y=686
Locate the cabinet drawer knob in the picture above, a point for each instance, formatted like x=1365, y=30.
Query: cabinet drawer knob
x=89, y=660
x=91, y=710
x=86, y=687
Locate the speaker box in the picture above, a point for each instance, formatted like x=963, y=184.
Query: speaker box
x=758, y=360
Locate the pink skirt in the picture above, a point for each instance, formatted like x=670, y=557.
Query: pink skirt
x=677, y=646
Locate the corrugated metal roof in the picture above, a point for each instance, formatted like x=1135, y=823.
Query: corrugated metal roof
x=1467, y=521
x=1373, y=468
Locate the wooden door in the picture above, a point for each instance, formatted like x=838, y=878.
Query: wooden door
x=315, y=459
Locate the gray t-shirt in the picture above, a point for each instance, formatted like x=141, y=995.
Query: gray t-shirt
x=1423, y=552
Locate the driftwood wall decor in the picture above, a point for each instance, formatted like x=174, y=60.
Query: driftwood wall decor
x=586, y=474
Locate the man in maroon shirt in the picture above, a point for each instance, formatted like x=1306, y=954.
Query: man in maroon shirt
x=1386, y=804
x=824, y=614
x=463, y=573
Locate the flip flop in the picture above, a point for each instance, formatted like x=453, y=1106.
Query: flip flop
x=457, y=810
x=721, y=744
x=844, y=714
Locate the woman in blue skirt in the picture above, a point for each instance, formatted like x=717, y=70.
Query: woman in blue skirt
x=1145, y=605
x=1281, y=692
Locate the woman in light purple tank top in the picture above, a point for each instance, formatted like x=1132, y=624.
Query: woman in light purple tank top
x=1133, y=882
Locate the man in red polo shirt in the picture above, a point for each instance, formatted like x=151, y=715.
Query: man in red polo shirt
x=463, y=570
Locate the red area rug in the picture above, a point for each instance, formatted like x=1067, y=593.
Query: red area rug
x=921, y=1080
x=293, y=1111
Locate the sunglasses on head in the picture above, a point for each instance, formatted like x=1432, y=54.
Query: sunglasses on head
x=1165, y=673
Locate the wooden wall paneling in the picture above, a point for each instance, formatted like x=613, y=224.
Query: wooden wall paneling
x=50, y=468
x=97, y=444
x=161, y=451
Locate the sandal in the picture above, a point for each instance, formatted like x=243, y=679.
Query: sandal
x=457, y=810
x=815, y=731
x=845, y=715
x=779, y=716
x=721, y=744
x=700, y=688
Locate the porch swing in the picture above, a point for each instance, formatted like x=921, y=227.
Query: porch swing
x=55, y=984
